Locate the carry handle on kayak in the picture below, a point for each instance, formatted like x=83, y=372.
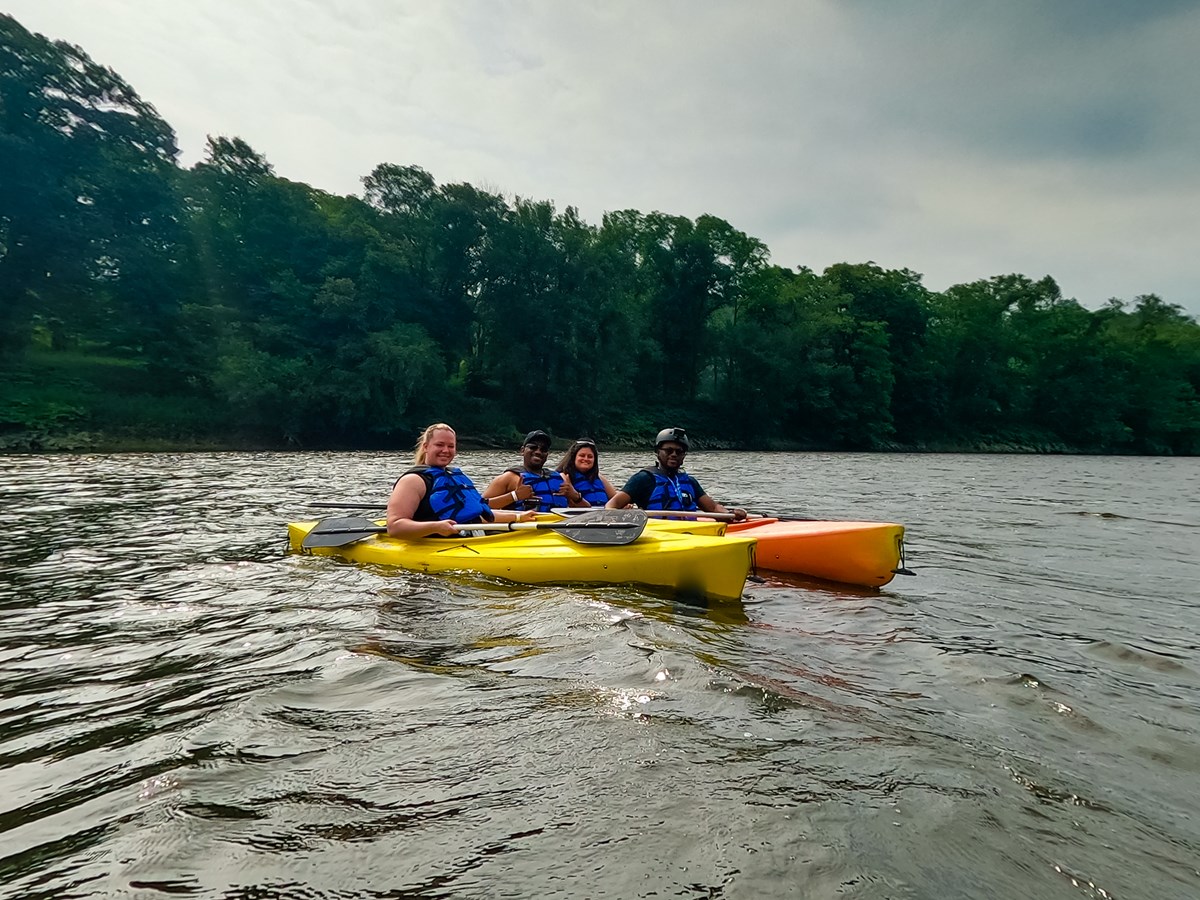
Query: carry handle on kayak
x=610, y=527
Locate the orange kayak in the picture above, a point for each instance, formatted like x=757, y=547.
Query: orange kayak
x=865, y=553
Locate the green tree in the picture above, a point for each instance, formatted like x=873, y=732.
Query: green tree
x=85, y=195
x=1073, y=383
x=977, y=356
x=1157, y=349
x=899, y=303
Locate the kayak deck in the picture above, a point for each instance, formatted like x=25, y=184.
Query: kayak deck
x=687, y=565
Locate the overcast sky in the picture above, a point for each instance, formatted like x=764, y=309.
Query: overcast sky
x=958, y=139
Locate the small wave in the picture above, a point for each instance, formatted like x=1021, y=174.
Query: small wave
x=1111, y=515
x=1160, y=661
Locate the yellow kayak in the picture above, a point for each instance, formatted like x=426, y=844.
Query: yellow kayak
x=862, y=553
x=688, y=565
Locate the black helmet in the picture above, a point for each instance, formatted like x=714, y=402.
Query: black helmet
x=672, y=434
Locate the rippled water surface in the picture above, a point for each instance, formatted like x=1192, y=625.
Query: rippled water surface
x=188, y=710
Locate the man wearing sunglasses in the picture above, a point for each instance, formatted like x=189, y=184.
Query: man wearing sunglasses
x=665, y=485
x=531, y=485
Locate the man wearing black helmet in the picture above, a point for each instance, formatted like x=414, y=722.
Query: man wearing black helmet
x=665, y=485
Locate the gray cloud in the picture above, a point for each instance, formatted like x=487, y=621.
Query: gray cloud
x=959, y=140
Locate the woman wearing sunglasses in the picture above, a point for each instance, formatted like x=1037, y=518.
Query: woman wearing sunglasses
x=581, y=464
x=665, y=485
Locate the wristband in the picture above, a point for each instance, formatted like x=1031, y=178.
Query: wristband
x=514, y=496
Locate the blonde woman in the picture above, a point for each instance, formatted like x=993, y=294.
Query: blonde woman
x=433, y=496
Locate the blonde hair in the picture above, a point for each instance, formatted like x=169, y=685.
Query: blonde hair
x=423, y=441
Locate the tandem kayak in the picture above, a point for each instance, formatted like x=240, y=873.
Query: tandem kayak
x=861, y=553
x=702, y=566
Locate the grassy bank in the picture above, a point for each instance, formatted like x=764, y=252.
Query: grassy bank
x=78, y=401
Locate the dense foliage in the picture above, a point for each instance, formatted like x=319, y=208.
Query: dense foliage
x=140, y=300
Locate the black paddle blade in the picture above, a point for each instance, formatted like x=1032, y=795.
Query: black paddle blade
x=339, y=532
x=610, y=527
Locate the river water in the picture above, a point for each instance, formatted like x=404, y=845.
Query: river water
x=188, y=710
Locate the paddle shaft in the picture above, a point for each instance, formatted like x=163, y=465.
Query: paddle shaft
x=688, y=514
x=570, y=511
x=651, y=513
x=494, y=526
x=667, y=514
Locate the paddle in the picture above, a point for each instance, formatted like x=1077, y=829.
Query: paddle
x=656, y=513
x=690, y=514
x=610, y=527
x=765, y=515
x=574, y=511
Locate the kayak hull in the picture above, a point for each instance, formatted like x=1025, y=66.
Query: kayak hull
x=703, y=566
x=862, y=553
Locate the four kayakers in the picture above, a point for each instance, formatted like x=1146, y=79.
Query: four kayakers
x=433, y=497
x=531, y=485
x=665, y=485
x=581, y=464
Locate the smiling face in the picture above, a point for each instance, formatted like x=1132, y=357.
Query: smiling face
x=670, y=455
x=534, y=455
x=585, y=459
x=441, y=447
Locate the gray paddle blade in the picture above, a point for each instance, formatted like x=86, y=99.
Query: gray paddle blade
x=339, y=532
x=611, y=527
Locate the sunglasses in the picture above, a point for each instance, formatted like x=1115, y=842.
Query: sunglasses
x=673, y=451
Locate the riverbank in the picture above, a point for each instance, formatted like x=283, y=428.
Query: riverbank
x=50, y=442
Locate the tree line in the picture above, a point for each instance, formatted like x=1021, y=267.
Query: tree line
x=225, y=302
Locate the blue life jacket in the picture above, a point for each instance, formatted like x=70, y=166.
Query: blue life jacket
x=449, y=494
x=679, y=492
x=544, y=499
x=591, y=488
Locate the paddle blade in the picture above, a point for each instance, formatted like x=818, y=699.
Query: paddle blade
x=609, y=527
x=339, y=532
